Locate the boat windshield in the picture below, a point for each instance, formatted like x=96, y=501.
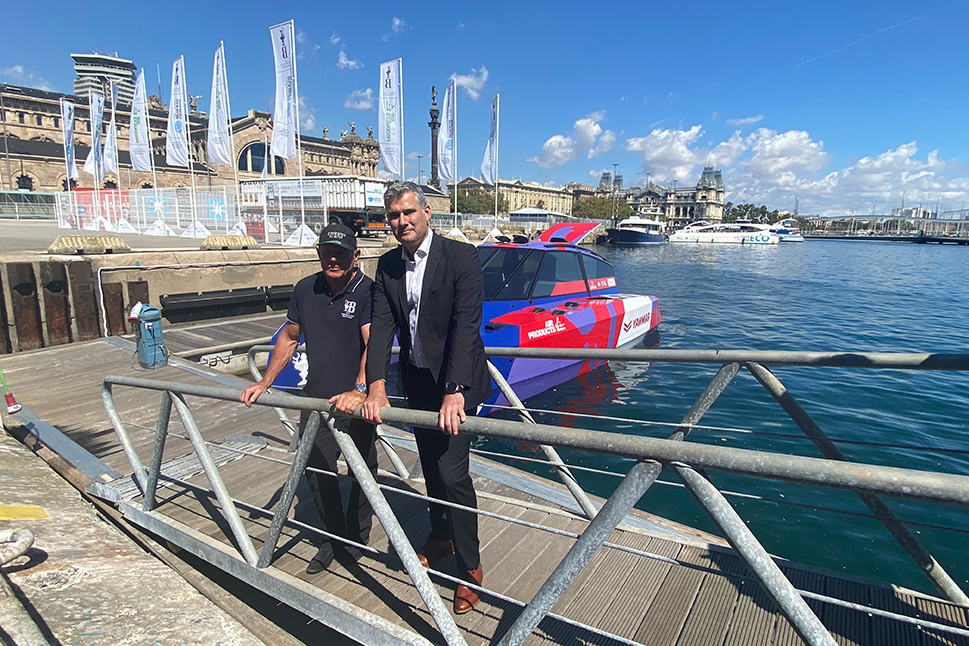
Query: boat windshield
x=508, y=272
x=517, y=274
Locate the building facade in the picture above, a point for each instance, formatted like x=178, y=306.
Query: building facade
x=521, y=194
x=677, y=206
x=32, y=150
x=96, y=73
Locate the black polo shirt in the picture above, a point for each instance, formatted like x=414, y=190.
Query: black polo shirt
x=331, y=330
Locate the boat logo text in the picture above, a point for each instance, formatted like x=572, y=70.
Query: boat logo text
x=551, y=327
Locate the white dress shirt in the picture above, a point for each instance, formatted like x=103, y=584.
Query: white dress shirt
x=415, y=284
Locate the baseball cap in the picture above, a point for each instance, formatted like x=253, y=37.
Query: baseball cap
x=339, y=235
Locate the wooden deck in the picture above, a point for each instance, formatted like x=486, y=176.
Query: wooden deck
x=640, y=599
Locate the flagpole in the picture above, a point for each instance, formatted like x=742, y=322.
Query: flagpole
x=497, y=177
x=188, y=140
x=299, y=147
x=151, y=149
x=228, y=109
x=67, y=164
x=454, y=158
x=400, y=93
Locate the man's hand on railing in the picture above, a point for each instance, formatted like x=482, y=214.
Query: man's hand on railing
x=376, y=400
x=347, y=402
x=251, y=393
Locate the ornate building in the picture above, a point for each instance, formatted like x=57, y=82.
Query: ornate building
x=678, y=206
x=32, y=151
x=520, y=194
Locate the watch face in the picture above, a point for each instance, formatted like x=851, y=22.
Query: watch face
x=360, y=388
x=450, y=388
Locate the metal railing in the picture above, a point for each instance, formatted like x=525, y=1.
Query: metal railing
x=688, y=461
x=22, y=204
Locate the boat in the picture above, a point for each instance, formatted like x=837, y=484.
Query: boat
x=545, y=293
x=787, y=230
x=732, y=233
x=636, y=231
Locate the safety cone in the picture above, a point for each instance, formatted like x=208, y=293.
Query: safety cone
x=12, y=406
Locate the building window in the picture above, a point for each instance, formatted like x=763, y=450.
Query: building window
x=57, y=122
x=146, y=185
x=87, y=124
x=253, y=157
x=64, y=186
x=110, y=184
x=21, y=118
x=40, y=120
x=24, y=183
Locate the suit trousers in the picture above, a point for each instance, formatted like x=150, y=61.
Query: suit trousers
x=356, y=523
x=445, y=460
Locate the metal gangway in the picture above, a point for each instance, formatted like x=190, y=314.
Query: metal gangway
x=527, y=619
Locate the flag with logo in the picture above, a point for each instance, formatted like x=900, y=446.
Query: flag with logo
x=67, y=128
x=285, y=123
x=390, y=116
x=139, y=141
x=489, y=165
x=218, y=145
x=447, y=142
x=94, y=164
x=176, y=146
x=111, y=142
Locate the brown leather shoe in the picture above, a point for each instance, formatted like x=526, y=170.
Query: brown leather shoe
x=464, y=597
x=434, y=550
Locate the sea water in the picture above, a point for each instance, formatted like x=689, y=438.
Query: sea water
x=815, y=296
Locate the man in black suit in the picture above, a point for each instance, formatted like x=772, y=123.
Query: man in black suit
x=429, y=290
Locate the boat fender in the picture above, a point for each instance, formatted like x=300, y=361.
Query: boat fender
x=491, y=326
x=538, y=310
x=571, y=304
x=558, y=312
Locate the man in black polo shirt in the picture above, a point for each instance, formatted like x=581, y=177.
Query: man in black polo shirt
x=331, y=310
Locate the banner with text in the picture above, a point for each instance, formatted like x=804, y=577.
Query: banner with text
x=447, y=142
x=111, y=142
x=390, y=116
x=94, y=164
x=218, y=145
x=67, y=129
x=489, y=165
x=176, y=147
x=139, y=144
x=285, y=124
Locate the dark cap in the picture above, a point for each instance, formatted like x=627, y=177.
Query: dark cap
x=340, y=235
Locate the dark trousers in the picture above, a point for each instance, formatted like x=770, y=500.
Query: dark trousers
x=444, y=460
x=355, y=524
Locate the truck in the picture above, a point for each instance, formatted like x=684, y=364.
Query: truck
x=282, y=204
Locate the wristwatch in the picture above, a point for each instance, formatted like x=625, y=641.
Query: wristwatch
x=361, y=388
x=452, y=387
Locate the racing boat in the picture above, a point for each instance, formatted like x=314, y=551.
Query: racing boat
x=546, y=293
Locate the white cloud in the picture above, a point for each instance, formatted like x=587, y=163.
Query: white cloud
x=346, y=63
x=793, y=151
x=460, y=25
x=561, y=149
x=307, y=49
x=672, y=96
x=385, y=175
x=335, y=39
x=745, y=121
x=18, y=75
x=414, y=155
x=302, y=37
x=596, y=175
x=398, y=25
x=668, y=150
x=359, y=100
x=472, y=83
x=307, y=116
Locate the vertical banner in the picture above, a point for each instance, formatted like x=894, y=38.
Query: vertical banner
x=218, y=145
x=94, y=164
x=489, y=165
x=139, y=145
x=284, y=113
x=111, y=142
x=265, y=158
x=67, y=128
x=390, y=117
x=447, y=142
x=176, y=146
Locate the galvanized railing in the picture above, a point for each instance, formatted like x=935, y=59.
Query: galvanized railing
x=687, y=460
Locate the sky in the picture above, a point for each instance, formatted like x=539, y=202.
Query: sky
x=849, y=107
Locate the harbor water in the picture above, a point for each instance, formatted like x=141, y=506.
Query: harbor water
x=811, y=296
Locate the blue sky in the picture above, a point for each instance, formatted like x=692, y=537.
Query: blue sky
x=848, y=105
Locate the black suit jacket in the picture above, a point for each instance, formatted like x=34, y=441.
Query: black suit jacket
x=449, y=324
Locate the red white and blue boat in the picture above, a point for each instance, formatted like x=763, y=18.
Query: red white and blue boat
x=545, y=293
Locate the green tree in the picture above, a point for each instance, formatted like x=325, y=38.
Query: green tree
x=479, y=202
x=600, y=208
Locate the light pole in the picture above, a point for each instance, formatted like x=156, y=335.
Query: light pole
x=419, y=171
x=615, y=196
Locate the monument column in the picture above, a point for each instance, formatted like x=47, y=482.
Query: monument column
x=435, y=126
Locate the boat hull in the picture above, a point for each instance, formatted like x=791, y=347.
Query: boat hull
x=628, y=238
x=726, y=238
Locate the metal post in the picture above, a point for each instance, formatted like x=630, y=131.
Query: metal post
x=398, y=539
x=926, y=562
x=588, y=507
x=161, y=431
x=212, y=473
x=137, y=468
x=307, y=438
x=629, y=491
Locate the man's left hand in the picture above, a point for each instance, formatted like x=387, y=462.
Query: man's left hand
x=347, y=402
x=452, y=414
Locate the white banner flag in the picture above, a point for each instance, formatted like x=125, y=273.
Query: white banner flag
x=285, y=124
x=94, y=164
x=489, y=165
x=176, y=146
x=447, y=141
x=67, y=128
x=111, y=142
x=139, y=146
x=390, y=116
x=265, y=158
x=218, y=147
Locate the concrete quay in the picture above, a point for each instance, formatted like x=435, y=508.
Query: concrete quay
x=83, y=581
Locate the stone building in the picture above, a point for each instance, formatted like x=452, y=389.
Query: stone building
x=678, y=206
x=32, y=151
x=521, y=194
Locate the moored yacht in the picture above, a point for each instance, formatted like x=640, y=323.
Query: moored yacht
x=637, y=231
x=733, y=233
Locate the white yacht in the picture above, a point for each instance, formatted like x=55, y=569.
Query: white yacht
x=733, y=233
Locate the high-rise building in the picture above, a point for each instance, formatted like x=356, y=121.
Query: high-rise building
x=95, y=72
